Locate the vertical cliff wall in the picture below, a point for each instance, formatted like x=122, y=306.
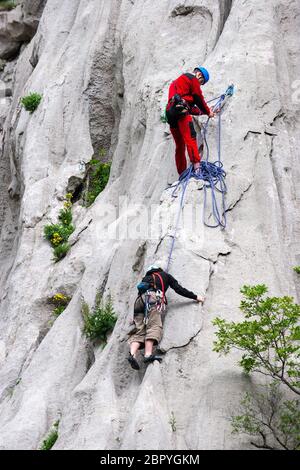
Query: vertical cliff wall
x=103, y=69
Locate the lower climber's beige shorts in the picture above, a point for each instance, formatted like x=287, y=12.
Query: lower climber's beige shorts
x=142, y=332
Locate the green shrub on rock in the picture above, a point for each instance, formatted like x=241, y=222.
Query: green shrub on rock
x=50, y=440
x=31, y=102
x=60, y=301
x=97, y=178
x=101, y=321
x=60, y=251
x=58, y=234
x=65, y=216
x=6, y=5
x=269, y=340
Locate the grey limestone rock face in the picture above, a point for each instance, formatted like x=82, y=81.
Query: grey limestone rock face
x=18, y=26
x=103, y=70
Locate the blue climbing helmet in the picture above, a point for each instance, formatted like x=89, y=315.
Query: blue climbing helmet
x=204, y=72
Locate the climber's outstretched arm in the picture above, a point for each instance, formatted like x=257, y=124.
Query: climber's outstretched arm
x=182, y=291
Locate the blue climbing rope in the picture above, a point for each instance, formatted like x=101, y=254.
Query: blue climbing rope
x=184, y=185
x=212, y=174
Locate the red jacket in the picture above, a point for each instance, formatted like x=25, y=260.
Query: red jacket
x=188, y=87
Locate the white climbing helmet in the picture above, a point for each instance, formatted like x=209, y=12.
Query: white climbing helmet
x=153, y=266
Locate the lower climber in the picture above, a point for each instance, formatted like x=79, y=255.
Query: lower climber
x=149, y=305
x=186, y=99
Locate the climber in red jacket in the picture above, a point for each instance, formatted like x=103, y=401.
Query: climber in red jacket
x=186, y=99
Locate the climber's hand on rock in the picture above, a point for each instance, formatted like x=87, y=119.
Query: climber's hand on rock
x=200, y=299
x=212, y=114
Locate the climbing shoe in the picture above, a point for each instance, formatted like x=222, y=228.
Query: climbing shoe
x=133, y=362
x=152, y=358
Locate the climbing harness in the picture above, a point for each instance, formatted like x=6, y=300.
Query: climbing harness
x=153, y=297
x=160, y=294
x=212, y=174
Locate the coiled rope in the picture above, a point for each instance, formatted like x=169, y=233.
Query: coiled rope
x=212, y=174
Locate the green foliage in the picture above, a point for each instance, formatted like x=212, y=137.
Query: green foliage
x=268, y=337
x=290, y=422
x=6, y=5
x=58, y=234
x=59, y=310
x=60, y=251
x=60, y=301
x=31, y=102
x=163, y=117
x=65, y=216
x=101, y=321
x=50, y=440
x=266, y=415
x=97, y=179
x=297, y=269
x=172, y=422
x=269, y=340
x=12, y=388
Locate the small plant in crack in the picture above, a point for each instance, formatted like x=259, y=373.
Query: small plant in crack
x=297, y=269
x=173, y=422
x=60, y=302
x=60, y=251
x=12, y=389
x=58, y=234
x=99, y=322
x=163, y=117
x=52, y=437
x=31, y=102
x=6, y=5
x=98, y=173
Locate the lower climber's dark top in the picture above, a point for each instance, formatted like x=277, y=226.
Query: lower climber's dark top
x=169, y=281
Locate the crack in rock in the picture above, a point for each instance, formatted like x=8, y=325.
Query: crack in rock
x=165, y=351
x=80, y=232
x=159, y=243
x=279, y=115
x=140, y=257
x=251, y=132
x=239, y=199
x=182, y=10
